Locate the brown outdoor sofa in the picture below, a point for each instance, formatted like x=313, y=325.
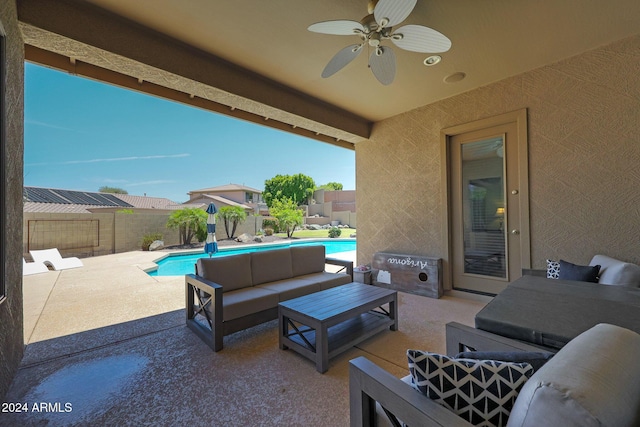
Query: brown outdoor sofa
x=231, y=293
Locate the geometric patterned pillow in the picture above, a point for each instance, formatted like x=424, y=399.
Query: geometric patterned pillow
x=480, y=391
x=553, y=269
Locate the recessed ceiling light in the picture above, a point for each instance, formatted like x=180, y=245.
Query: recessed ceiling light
x=455, y=77
x=432, y=60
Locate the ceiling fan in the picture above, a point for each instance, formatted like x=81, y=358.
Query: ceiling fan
x=377, y=27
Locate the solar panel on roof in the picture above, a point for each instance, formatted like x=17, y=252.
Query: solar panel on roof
x=115, y=200
x=47, y=195
x=44, y=195
x=74, y=197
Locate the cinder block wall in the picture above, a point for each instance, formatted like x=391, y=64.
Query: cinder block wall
x=91, y=234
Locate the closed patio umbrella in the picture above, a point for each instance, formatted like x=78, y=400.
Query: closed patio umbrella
x=211, y=246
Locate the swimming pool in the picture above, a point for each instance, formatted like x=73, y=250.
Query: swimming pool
x=179, y=264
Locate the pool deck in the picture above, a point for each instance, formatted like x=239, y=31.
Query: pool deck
x=111, y=341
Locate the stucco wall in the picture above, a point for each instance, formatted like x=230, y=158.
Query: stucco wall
x=584, y=152
x=11, y=340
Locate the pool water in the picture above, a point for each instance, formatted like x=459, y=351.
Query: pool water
x=178, y=265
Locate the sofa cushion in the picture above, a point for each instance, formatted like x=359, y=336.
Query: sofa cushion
x=272, y=265
x=616, y=272
x=291, y=288
x=591, y=381
x=243, y=302
x=231, y=272
x=480, y=391
x=327, y=280
x=307, y=259
x=582, y=273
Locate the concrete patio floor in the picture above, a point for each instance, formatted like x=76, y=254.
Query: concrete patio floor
x=106, y=344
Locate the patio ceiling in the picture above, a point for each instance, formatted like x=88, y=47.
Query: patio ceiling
x=255, y=59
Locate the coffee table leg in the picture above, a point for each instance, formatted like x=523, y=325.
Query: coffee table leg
x=283, y=326
x=322, y=349
x=393, y=312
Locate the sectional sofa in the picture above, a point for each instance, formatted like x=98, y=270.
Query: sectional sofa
x=592, y=381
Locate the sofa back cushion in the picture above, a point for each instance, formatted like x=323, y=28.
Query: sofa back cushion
x=231, y=272
x=272, y=265
x=307, y=259
x=591, y=381
x=616, y=272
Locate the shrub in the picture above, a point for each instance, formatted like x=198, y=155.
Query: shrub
x=148, y=239
x=268, y=231
x=334, y=232
x=201, y=233
x=272, y=224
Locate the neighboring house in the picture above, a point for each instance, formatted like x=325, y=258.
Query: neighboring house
x=332, y=205
x=250, y=199
x=338, y=200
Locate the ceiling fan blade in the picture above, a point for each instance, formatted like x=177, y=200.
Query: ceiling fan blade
x=383, y=64
x=340, y=27
x=391, y=12
x=417, y=38
x=341, y=59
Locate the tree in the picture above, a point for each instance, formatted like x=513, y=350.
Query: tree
x=298, y=188
x=231, y=215
x=331, y=186
x=112, y=190
x=189, y=221
x=286, y=212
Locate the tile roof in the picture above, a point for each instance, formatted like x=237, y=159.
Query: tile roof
x=227, y=187
x=146, y=202
x=208, y=198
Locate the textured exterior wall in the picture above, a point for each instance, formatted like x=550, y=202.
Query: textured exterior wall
x=11, y=340
x=584, y=152
x=84, y=235
x=129, y=229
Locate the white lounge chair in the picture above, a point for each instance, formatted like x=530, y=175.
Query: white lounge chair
x=29, y=268
x=52, y=257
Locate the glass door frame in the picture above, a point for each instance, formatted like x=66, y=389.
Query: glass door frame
x=518, y=117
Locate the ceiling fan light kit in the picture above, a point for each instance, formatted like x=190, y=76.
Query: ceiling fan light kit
x=376, y=28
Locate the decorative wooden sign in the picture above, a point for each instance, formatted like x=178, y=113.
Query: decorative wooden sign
x=408, y=273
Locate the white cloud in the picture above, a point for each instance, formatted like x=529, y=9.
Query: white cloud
x=49, y=125
x=124, y=159
x=115, y=159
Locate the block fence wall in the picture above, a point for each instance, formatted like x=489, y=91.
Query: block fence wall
x=94, y=234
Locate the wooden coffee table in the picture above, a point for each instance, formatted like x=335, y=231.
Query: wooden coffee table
x=326, y=323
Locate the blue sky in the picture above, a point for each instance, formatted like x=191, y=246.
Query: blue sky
x=82, y=135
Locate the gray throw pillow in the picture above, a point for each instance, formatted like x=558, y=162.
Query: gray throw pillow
x=583, y=273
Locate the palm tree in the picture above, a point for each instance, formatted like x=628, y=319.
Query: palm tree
x=188, y=221
x=231, y=215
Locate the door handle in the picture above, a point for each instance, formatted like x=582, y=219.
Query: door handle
x=514, y=231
